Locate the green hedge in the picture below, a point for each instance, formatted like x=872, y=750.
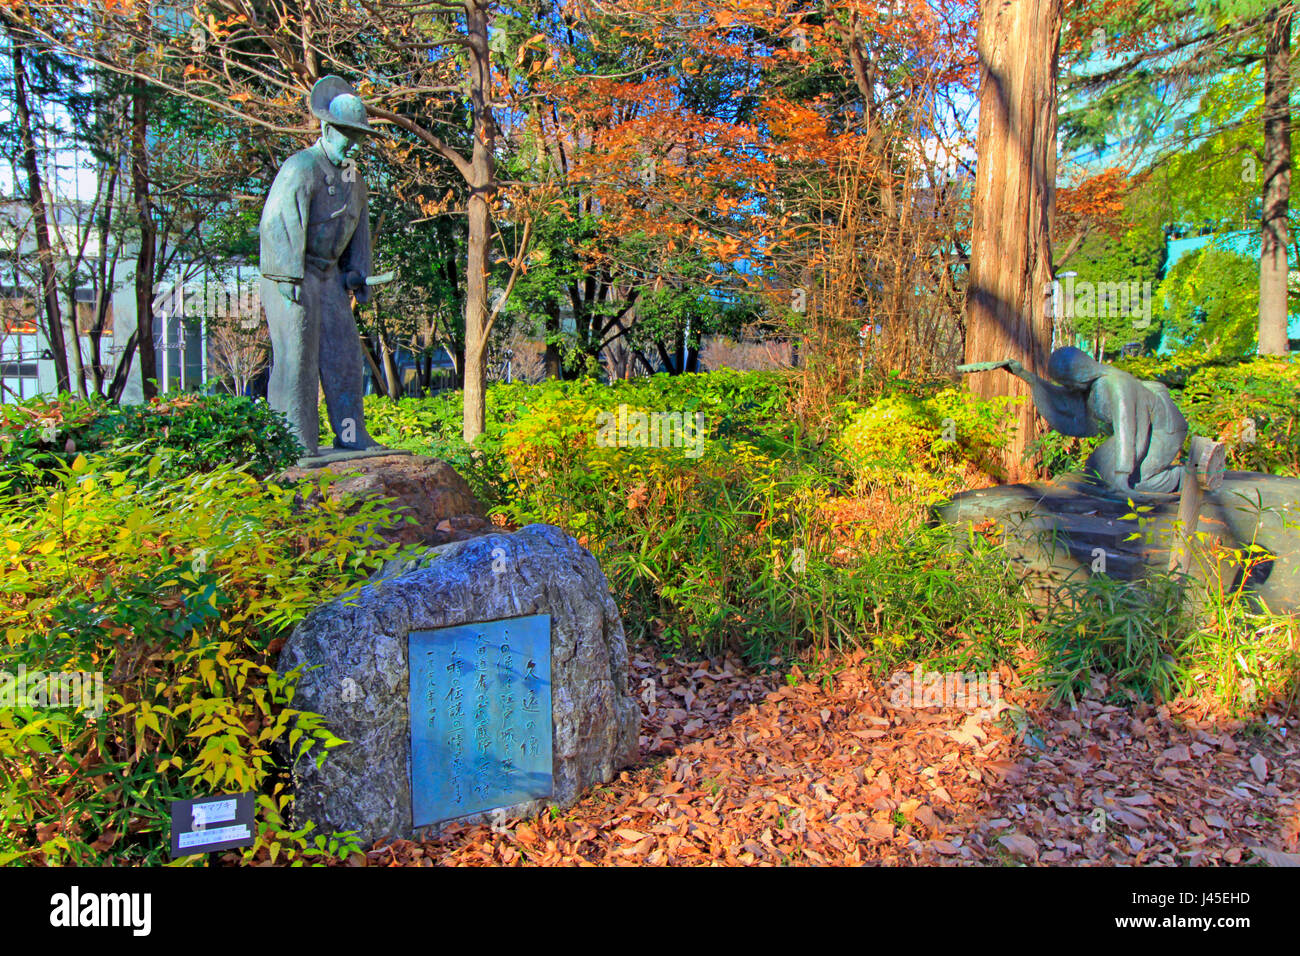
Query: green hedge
x=737, y=544
x=187, y=433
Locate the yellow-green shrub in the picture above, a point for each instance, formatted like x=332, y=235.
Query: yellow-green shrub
x=1254, y=407
x=923, y=444
x=172, y=589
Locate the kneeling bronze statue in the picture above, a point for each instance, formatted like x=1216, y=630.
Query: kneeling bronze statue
x=1145, y=428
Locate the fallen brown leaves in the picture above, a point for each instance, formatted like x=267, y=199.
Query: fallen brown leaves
x=742, y=768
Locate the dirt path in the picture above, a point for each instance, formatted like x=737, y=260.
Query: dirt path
x=740, y=768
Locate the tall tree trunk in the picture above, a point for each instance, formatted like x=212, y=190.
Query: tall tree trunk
x=118, y=383
x=457, y=355
x=103, y=287
x=40, y=221
x=376, y=373
x=1015, y=179
x=551, y=365
x=392, y=375
x=1277, y=186
x=476, y=311
x=481, y=186
x=424, y=358
x=145, y=259
x=78, y=360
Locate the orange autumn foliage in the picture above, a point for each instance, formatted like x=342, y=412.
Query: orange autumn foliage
x=1095, y=204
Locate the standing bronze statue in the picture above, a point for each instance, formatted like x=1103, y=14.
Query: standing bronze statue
x=315, y=256
x=1145, y=428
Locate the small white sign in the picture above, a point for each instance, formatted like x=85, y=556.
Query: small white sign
x=205, y=814
x=209, y=824
x=219, y=835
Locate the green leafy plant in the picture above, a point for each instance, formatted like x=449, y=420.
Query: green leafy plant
x=171, y=590
x=1252, y=406
x=1210, y=300
x=923, y=444
x=740, y=546
x=1171, y=633
x=186, y=433
x=1136, y=632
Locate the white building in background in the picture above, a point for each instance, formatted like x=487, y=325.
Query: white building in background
x=180, y=339
x=180, y=321
x=185, y=301
x=186, y=304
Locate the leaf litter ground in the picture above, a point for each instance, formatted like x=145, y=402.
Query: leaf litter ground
x=745, y=768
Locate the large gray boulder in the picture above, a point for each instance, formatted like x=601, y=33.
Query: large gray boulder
x=353, y=653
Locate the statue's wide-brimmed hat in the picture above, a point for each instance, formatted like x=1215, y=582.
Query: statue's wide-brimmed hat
x=335, y=101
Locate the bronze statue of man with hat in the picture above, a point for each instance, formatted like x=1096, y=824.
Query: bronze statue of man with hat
x=315, y=256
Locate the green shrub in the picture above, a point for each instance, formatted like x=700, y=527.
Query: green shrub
x=741, y=546
x=738, y=550
x=1168, y=634
x=923, y=444
x=1062, y=454
x=188, y=434
x=1172, y=370
x=738, y=544
x=35, y=437
x=171, y=589
x=200, y=433
x=1254, y=407
x=1137, y=633
x=735, y=404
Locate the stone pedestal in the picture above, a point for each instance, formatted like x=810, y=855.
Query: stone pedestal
x=423, y=488
x=1073, y=527
x=356, y=672
x=335, y=456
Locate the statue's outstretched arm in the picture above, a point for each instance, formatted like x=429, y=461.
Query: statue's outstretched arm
x=1064, y=409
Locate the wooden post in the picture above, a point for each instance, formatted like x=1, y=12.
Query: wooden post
x=1202, y=472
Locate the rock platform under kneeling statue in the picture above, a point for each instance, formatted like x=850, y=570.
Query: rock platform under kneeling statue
x=485, y=678
x=1071, y=528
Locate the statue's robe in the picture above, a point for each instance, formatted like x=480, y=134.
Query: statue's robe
x=315, y=230
x=1146, y=430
